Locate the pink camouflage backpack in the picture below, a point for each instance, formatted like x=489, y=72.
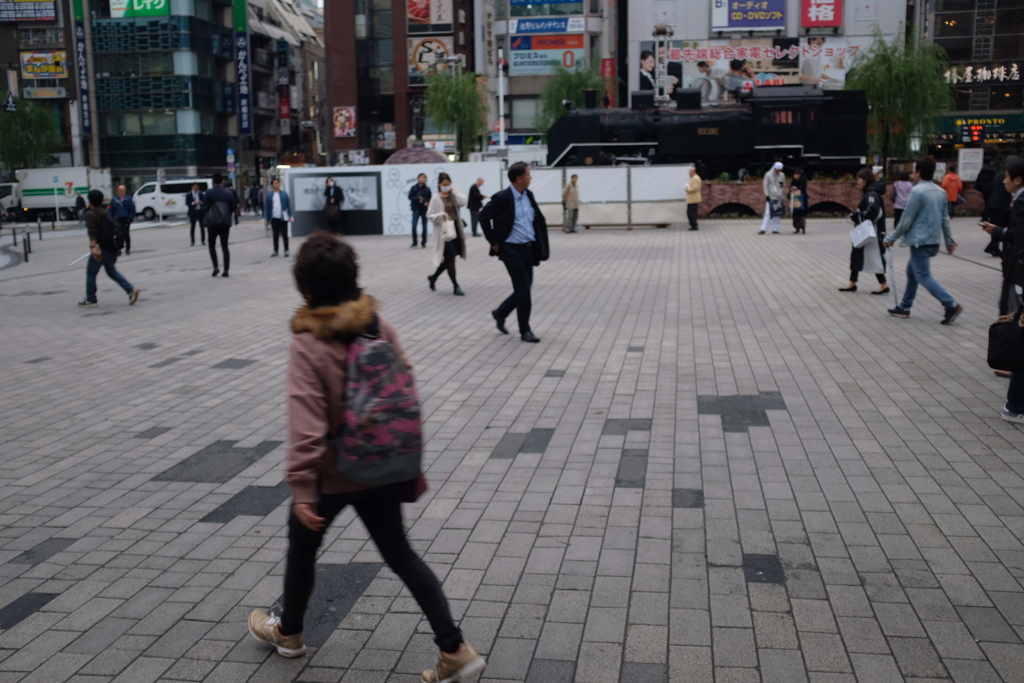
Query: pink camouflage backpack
x=381, y=441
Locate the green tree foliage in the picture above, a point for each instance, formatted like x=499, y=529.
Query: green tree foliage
x=453, y=100
x=567, y=84
x=905, y=87
x=28, y=136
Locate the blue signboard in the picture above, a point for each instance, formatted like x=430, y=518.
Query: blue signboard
x=746, y=15
x=83, y=78
x=243, y=82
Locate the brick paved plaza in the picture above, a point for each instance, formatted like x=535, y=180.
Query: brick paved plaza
x=713, y=467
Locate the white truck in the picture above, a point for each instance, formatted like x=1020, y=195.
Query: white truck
x=45, y=191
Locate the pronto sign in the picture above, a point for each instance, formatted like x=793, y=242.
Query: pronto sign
x=541, y=55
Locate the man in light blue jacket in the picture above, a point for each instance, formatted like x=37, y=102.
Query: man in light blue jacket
x=924, y=222
x=277, y=212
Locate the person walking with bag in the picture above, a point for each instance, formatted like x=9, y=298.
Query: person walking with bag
x=798, y=201
x=338, y=345
x=333, y=199
x=449, y=231
x=277, y=213
x=105, y=236
x=871, y=208
x=773, y=184
x=924, y=223
x=218, y=215
x=571, y=203
x=419, y=200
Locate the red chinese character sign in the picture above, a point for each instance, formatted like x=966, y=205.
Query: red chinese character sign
x=821, y=13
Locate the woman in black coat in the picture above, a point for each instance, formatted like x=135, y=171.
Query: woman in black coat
x=871, y=208
x=333, y=199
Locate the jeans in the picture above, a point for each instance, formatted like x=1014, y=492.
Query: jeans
x=571, y=216
x=518, y=260
x=919, y=273
x=691, y=214
x=1015, y=394
x=193, y=218
x=416, y=215
x=222, y=233
x=952, y=209
x=92, y=269
x=280, y=228
x=380, y=510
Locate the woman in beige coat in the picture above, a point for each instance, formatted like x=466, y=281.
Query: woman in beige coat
x=445, y=205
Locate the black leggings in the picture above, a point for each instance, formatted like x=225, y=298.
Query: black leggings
x=222, y=233
x=380, y=510
x=448, y=263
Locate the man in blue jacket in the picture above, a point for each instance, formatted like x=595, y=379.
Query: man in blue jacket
x=277, y=212
x=419, y=198
x=924, y=222
x=122, y=209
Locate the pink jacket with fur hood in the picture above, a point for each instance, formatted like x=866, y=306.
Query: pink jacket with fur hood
x=318, y=363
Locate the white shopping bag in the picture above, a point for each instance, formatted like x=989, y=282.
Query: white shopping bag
x=873, y=258
x=864, y=231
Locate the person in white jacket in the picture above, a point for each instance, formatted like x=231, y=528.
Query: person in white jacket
x=443, y=206
x=774, y=191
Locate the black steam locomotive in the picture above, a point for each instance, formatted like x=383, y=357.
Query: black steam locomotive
x=822, y=131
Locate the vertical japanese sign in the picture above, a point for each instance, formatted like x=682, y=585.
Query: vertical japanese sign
x=608, y=73
x=284, y=111
x=821, y=13
x=82, y=68
x=243, y=77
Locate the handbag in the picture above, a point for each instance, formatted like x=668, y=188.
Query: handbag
x=796, y=201
x=448, y=231
x=864, y=231
x=1006, y=343
x=331, y=211
x=777, y=208
x=960, y=200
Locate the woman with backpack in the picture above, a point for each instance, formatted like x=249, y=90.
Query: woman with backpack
x=338, y=320
x=871, y=208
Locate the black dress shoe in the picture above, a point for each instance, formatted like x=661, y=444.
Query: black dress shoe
x=529, y=337
x=458, y=291
x=500, y=321
x=431, y=279
x=216, y=272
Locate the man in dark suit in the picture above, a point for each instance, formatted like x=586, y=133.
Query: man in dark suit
x=518, y=234
x=194, y=202
x=476, y=201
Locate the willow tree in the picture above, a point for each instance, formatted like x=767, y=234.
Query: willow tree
x=567, y=84
x=28, y=136
x=453, y=99
x=905, y=87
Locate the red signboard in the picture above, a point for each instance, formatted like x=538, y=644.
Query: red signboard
x=821, y=13
x=608, y=72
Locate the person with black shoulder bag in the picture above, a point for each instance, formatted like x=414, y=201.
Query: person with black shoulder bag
x=218, y=215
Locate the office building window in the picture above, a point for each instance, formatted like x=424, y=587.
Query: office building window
x=547, y=9
x=524, y=113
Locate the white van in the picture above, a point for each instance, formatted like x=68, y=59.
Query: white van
x=168, y=199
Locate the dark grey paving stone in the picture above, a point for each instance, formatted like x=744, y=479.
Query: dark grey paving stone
x=632, y=473
x=193, y=352
x=165, y=363
x=635, y=349
x=509, y=446
x=258, y=501
x=763, y=569
x=36, y=361
x=687, y=498
x=555, y=373
x=43, y=551
x=338, y=587
x=987, y=624
x=740, y=412
x=217, y=463
x=233, y=364
x=537, y=441
x=550, y=671
x=152, y=433
x=14, y=613
x=619, y=427
x=634, y=672
x=146, y=346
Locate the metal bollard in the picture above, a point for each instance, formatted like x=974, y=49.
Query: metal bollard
x=24, y=248
x=14, y=234
x=28, y=241
x=40, y=227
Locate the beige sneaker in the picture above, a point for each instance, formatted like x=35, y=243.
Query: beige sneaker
x=454, y=668
x=263, y=628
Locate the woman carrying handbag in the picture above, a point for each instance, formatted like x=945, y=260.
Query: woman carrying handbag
x=449, y=232
x=871, y=208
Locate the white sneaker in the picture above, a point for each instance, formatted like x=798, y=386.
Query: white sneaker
x=1015, y=418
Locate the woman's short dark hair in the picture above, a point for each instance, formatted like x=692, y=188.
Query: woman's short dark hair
x=328, y=180
x=326, y=271
x=517, y=171
x=925, y=167
x=645, y=54
x=95, y=198
x=866, y=175
x=441, y=177
x=905, y=177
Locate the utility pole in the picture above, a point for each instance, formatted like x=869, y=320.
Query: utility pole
x=501, y=98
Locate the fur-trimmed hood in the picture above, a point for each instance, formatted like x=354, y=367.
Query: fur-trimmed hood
x=330, y=322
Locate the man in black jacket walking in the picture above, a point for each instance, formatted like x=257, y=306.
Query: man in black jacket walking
x=194, y=202
x=218, y=213
x=518, y=234
x=475, y=203
x=419, y=199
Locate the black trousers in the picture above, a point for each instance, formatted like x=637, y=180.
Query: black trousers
x=222, y=234
x=127, y=235
x=518, y=260
x=279, y=226
x=380, y=510
x=691, y=214
x=474, y=220
x=193, y=218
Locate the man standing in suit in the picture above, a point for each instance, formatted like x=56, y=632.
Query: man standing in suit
x=476, y=201
x=518, y=234
x=194, y=202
